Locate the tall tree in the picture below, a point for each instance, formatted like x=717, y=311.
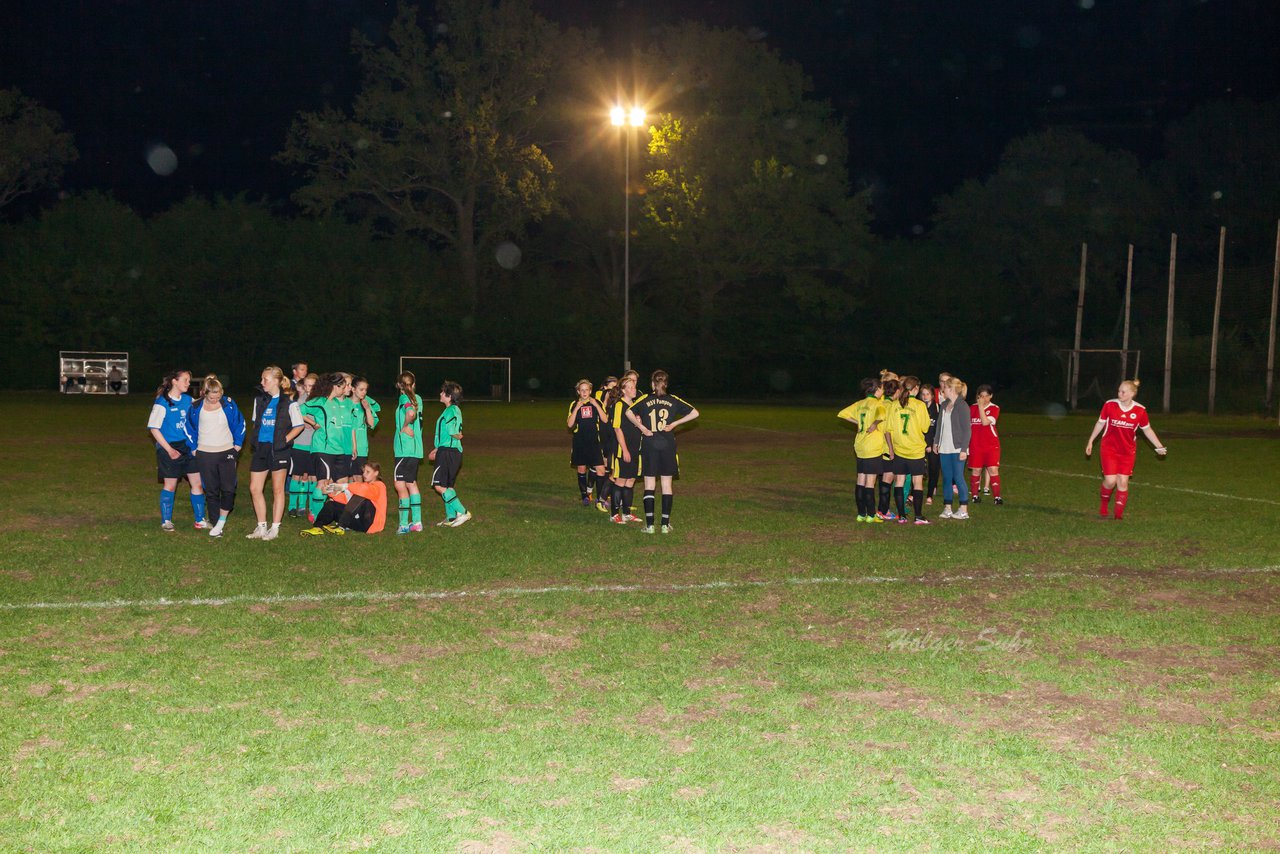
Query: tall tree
x=443, y=139
x=33, y=146
x=747, y=176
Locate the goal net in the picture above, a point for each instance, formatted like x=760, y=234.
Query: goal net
x=483, y=378
x=1094, y=374
x=93, y=372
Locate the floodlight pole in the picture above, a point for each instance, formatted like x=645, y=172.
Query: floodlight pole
x=1271, y=338
x=1128, y=293
x=1168, y=323
x=1075, y=356
x=626, y=249
x=1217, y=313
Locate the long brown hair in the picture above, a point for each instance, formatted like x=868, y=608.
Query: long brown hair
x=658, y=382
x=166, y=382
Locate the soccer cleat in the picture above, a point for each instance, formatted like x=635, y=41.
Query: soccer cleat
x=445, y=523
x=586, y=500
x=257, y=533
x=975, y=498
x=337, y=530
x=998, y=501
x=293, y=512
x=167, y=526
x=890, y=516
x=311, y=517
x=602, y=507
x=667, y=529
x=460, y=520
x=876, y=520
x=902, y=520
x=617, y=519
x=416, y=528
x=631, y=517
x=270, y=534
x=311, y=532
x=920, y=520
x=962, y=514
x=947, y=513
x=403, y=529
x=986, y=490
x=202, y=525
x=215, y=531
x=647, y=529
x=862, y=518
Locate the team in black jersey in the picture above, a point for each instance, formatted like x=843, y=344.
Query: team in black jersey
x=633, y=436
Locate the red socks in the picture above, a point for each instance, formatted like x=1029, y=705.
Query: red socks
x=975, y=484
x=1122, y=498
x=1105, y=507
x=995, y=486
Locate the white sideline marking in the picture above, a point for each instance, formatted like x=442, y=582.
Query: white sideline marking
x=417, y=595
x=1146, y=485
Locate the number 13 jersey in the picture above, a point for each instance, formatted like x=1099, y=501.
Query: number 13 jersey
x=655, y=412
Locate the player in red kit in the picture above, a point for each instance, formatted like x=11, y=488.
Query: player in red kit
x=984, y=446
x=1119, y=422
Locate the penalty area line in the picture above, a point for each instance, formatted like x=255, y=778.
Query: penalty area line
x=1146, y=485
x=501, y=592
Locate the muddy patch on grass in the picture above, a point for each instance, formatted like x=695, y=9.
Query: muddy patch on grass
x=409, y=654
x=536, y=644
x=35, y=746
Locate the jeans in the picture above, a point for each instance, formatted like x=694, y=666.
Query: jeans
x=953, y=473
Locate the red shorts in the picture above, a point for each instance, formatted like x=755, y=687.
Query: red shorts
x=983, y=456
x=1113, y=464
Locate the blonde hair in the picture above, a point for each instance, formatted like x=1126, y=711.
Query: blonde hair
x=211, y=383
x=286, y=387
x=961, y=389
x=887, y=374
x=1135, y=383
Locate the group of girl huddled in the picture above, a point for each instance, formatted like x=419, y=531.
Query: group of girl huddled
x=309, y=432
x=910, y=435
x=620, y=436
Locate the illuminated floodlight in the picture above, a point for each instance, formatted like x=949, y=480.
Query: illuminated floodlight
x=618, y=116
x=637, y=117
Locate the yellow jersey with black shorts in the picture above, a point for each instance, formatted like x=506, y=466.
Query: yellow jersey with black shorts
x=907, y=425
x=869, y=445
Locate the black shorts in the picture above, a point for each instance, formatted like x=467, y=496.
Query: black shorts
x=406, y=470
x=448, y=464
x=904, y=466
x=327, y=466
x=871, y=465
x=623, y=470
x=659, y=461
x=267, y=458
x=586, y=454
x=299, y=462
x=184, y=465
x=357, y=466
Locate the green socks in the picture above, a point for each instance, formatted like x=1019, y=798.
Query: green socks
x=452, y=506
x=415, y=509
x=404, y=512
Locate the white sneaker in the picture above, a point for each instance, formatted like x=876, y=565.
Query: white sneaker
x=215, y=531
x=963, y=514
x=257, y=533
x=271, y=533
x=167, y=527
x=460, y=520
x=202, y=525
x=946, y=513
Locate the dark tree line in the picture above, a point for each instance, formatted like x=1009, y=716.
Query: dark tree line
x=470, y=200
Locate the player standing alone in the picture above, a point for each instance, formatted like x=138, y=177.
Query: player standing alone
x=448, y=455
x=657, y=415
x=1119, y=422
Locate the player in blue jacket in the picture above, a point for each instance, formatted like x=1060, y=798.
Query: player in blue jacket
x=217, y=429
x=174, y=447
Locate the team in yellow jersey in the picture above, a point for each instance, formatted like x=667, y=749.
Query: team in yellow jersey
x=893, y=429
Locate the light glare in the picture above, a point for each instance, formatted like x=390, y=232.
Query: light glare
x=637, y=117
x=618, y=116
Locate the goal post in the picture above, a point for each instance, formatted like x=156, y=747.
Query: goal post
x=1095, y=373
x=484, y=379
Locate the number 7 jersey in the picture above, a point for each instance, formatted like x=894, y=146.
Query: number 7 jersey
x=656, y=411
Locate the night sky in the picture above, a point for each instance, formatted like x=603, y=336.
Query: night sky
x=930, y=91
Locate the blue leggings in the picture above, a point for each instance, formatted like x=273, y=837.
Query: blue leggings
x=953, y=473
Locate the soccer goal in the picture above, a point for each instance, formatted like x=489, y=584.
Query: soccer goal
x=1095, y=374
x=483, y=378
x=93, y=372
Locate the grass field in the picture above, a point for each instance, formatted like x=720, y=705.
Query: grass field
x=770, y=677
